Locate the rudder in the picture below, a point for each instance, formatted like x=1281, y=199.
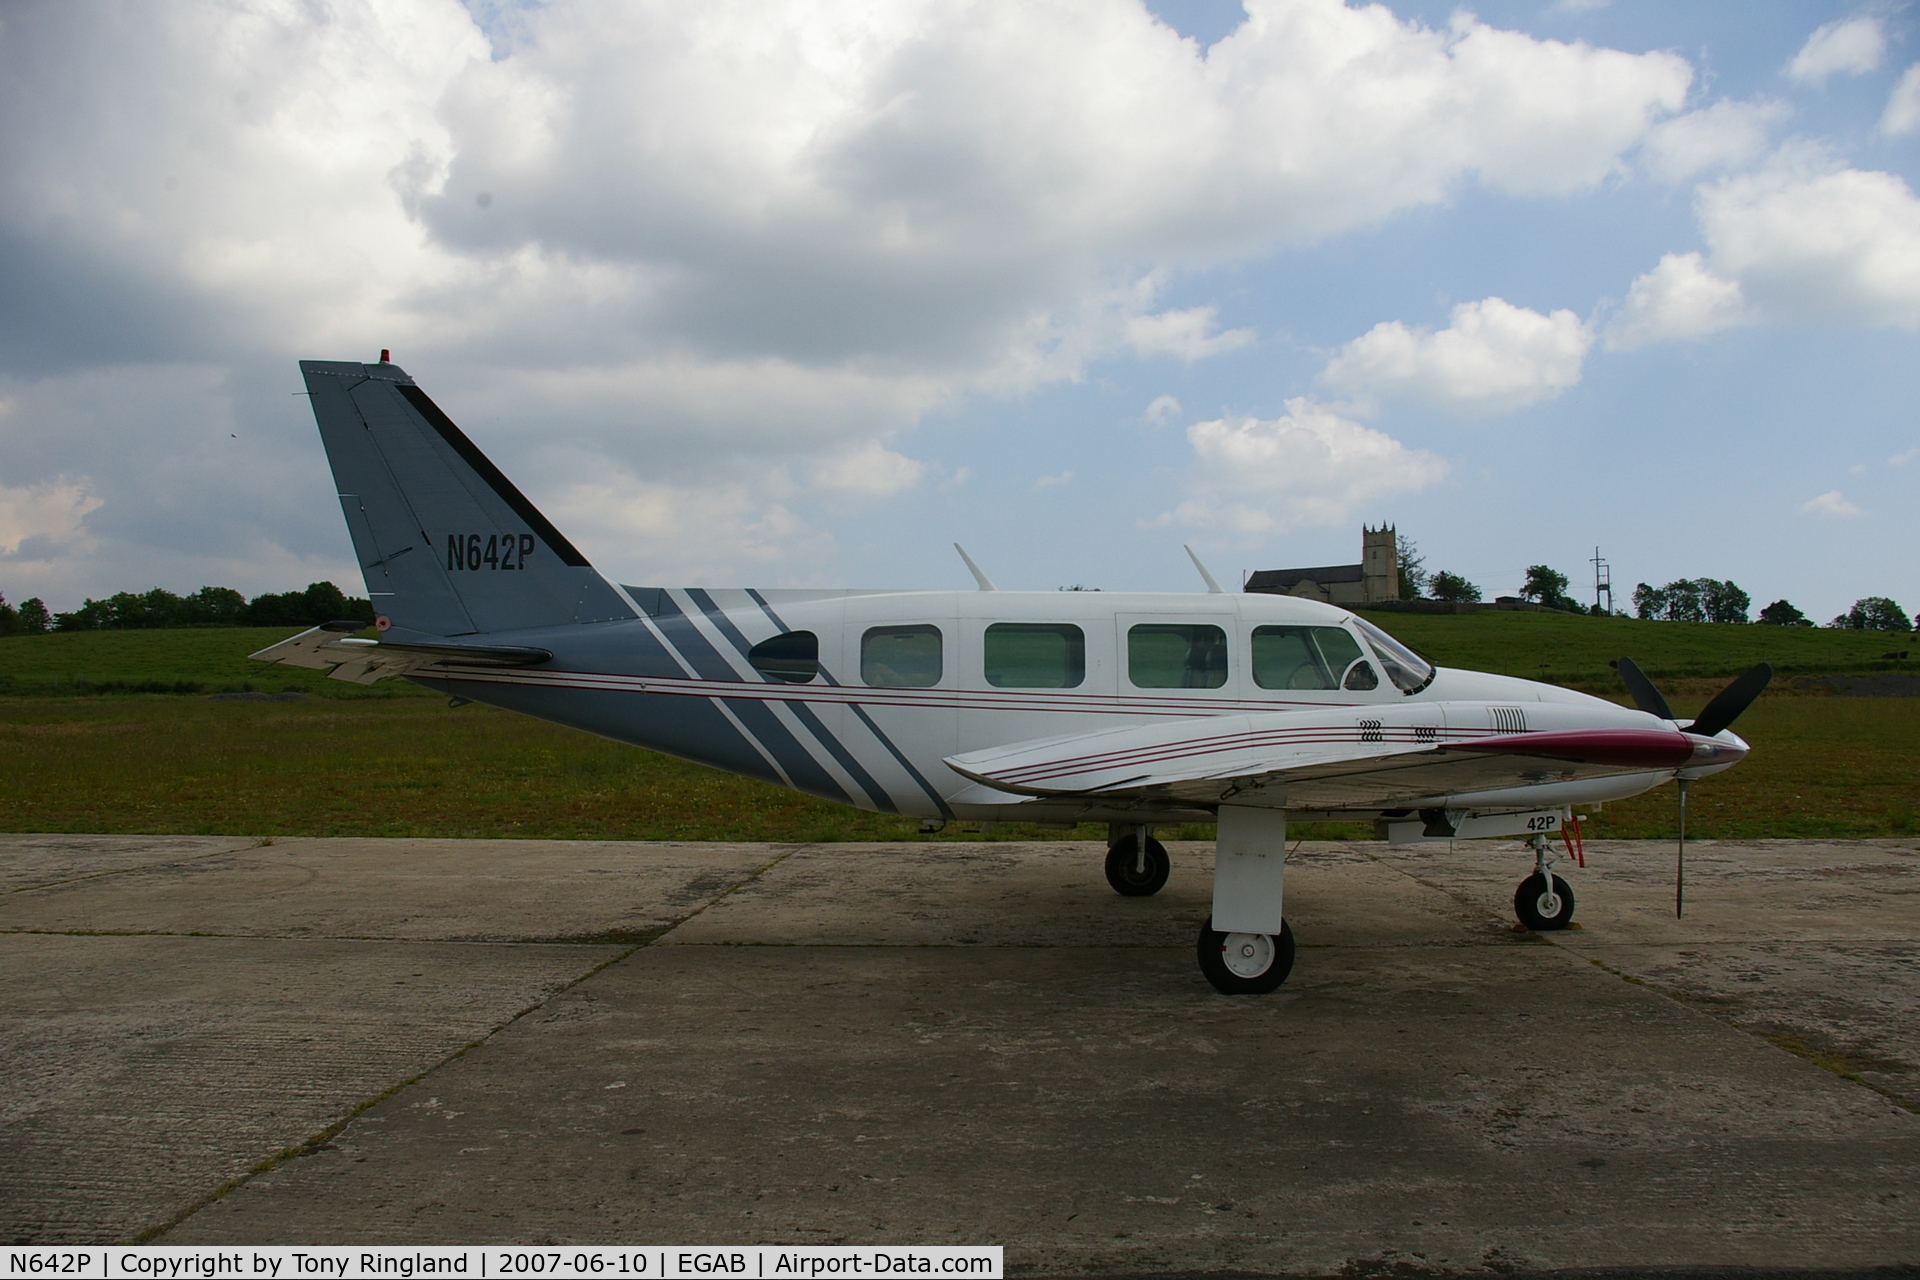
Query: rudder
x=447, y=544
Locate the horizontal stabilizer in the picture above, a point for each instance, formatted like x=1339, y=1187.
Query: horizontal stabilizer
x=329, y=647
x=473, y=655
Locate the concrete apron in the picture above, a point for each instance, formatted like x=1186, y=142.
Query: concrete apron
x=960, y=1043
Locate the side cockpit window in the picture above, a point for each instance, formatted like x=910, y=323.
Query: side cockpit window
x=793, y=657
x=901, y=657
x=1310, y=658
x=1409, y=671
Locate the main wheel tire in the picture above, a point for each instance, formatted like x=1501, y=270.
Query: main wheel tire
x=1542, y=910
x=1126, y=878
x=1245, y=964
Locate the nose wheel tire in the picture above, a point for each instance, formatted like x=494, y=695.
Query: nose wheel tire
x=1245, y=964
x=1126, y=872
x=1543, y=907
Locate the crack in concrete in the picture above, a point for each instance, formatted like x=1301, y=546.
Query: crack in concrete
x=1832, y=1063
x=605, y=938
x=145, y=866
x=322, y=1139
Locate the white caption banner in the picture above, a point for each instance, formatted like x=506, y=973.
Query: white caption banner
x=585, y=1262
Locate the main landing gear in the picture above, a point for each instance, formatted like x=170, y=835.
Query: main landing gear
x=1543, y=902
x=1137, y=864
x=1245, y=964
x=1251, y=953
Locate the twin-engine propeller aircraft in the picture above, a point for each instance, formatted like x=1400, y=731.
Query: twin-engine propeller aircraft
x=1132, y=709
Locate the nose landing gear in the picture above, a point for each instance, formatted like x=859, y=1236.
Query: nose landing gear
x=1544, y=901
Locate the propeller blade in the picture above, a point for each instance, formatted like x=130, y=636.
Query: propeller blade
x=1680, y=860
x=1645, y=696
x=1731, y=701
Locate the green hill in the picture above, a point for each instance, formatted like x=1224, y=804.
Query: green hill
x=393, y=759
x=1574, y=649
x=1566, y=649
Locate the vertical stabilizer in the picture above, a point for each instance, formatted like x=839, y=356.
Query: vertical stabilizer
x=448, y=545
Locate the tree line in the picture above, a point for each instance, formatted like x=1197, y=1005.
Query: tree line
x=207, y=607
x=1682, y=600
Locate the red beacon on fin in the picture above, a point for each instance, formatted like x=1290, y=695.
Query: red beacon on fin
x=386, y=356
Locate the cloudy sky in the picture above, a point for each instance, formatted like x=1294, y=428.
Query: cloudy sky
x=799, y=292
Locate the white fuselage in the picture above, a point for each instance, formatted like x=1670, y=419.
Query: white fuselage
x=875, y=731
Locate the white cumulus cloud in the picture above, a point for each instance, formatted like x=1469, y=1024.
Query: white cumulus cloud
x=1723, y=135
x=1680, y=298
x=1492, y=357
x=872, y=469
x=1161, y=411
x=1830, y=503
x=1850, y=46
x=1252, y=476
x=1902, y=115
x=49, y=513
x=880, y=207
x=1189, y=334
x=1804, y=237
x=694, y=534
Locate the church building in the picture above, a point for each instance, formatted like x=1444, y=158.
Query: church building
x=1375, y=579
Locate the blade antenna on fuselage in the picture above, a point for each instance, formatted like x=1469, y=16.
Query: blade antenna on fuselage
x=1213, y=588
x=986, y=583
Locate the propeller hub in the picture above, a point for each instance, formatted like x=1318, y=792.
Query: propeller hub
x=1724, y=749
x=1711, y=755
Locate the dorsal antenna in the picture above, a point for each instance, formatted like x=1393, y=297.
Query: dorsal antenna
x=1213, y=588
x=986, y=583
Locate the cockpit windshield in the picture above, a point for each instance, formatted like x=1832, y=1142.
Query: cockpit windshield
x=1409, y=671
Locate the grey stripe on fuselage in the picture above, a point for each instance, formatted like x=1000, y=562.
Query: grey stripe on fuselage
x=940, y=801
x=757, y=718
x=689, y=728
x=800, y=710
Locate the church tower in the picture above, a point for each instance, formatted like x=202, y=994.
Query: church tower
x=1379, y=563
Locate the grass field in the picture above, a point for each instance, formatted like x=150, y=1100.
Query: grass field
x=401, y=762
x=186, y=660
x=1573, y=650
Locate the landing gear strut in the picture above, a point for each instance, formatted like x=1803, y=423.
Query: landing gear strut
x=1137, y=864
x=1251, y=952
x=1544, y=902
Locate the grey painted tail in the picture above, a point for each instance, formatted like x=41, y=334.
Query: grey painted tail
x=449, y=547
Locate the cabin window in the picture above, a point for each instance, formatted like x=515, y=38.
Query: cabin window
x=901, y=657
x=1164, y=655
x=1307, y=658
x=1035, y=655
x=793, y=657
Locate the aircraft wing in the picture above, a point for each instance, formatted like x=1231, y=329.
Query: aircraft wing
x=1345, y=758
x=331, y=645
